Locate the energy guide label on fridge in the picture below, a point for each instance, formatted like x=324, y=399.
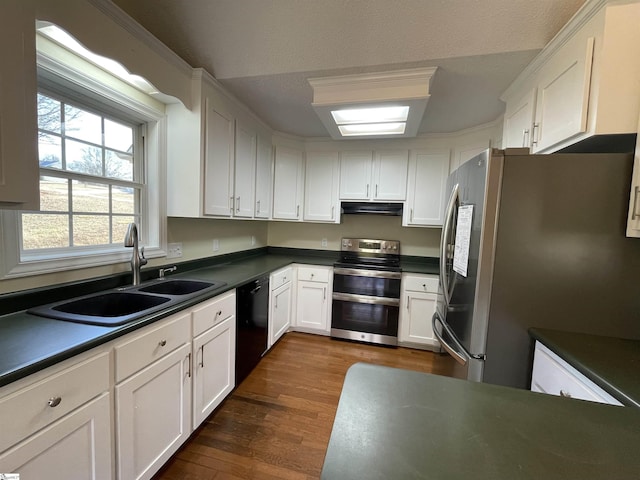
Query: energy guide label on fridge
x=463, y=239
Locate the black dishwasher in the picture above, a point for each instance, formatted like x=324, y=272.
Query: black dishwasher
x=252, y=313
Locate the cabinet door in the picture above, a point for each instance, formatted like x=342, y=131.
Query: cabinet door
x=218, y=160
x=245, y=169
x=287, y=184
x=633, y=220
x=263, y=179
x=153, y=410
x=322, y=175
x=563, y=95
x=214, y=356
x=19, y=174
x=415, y=318
x=76, y=446
x=279, y=312
x=355, y=175
x=312, y=306
x=428, y=173
x=390, y=175
x=518, y=121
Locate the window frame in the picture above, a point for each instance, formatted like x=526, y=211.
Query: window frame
x=65, y=74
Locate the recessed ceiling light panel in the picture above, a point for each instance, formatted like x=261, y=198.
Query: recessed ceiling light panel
x=370, y=115
x=366, y=129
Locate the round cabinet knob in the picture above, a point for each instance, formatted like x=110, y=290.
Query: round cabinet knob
x=219, y=312
x=54, y=401
x=162, y=343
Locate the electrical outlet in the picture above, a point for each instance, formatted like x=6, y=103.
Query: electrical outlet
x=216, y=244
x=324, y=242
x=253, y=240
x=174, y=250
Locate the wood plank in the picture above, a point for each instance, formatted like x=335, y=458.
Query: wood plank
x=277, y=423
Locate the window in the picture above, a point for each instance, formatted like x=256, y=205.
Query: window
x=102, y=153
x=90, y=179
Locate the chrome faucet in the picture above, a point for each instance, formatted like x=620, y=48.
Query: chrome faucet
x=137, y=259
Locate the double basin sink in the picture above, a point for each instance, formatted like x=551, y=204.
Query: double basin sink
x=119, y=306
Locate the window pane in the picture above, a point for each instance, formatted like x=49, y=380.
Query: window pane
x=54, y=194
x=49, y=114
x=90, y=197
x=90, y=230
x=83, y=158
x=120, y=225
x=44, y=231
x=49, y=150
x=82, y=125
x=118, y=165
x=118, y=136
x=123, y=200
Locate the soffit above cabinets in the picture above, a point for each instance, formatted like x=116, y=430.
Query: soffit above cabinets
x=264, y=52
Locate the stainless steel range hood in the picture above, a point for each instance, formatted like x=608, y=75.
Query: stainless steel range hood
x=371, y=208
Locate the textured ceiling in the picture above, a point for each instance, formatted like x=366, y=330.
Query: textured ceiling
x=263, y=51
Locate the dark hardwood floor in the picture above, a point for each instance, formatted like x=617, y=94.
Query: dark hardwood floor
x=277, y=423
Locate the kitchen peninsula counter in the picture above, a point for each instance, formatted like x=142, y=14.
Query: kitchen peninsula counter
x=611, y=363
x=29, y=343
x=394, y=423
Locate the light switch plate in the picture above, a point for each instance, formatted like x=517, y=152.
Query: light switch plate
x=174, y=250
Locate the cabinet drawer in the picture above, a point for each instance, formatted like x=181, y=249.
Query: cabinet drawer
x=314, y=274
x=150, y=345
x=420, y=283
x=28, y=410
x=554, y=376
x=280, y=277
x=213, y=312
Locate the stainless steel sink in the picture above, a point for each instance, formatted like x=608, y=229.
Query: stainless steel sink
x=119, y=306
x=177, y=287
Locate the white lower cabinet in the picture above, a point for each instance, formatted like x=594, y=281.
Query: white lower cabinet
x=214, y=355
x=552, y=375
x=419, y=295
x=313, y=299
x=60, y=426
x=279, y=303
x=153, y=405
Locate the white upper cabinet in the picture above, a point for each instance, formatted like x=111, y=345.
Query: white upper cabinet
x=426, y=188
x=633, y=221
x=584, y=83
x=264, y=169
x=245, y=171
x=374, y=176
x=19, y=175
x=322, y=173
x=218, y=161
x=287, y=184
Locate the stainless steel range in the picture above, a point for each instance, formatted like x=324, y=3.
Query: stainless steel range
x=366, y=291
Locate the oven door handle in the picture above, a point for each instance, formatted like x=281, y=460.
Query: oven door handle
x=350, y=297
x=366, y=273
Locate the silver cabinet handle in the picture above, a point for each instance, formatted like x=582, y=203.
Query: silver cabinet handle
x=202, y=356
x=565, y=394
x=237, y=204
x=297, y=211
x=407, y=302
x=367, y=190
x=535, y=137
x=162, y=343
x=376, y=190
x=189, y=362
x=411, y=215
x=258, y=202
x=635, y=215
x=525, y=132
x=54, y=401
x=218, y=313
x=231, y=204
x=333, y=209
x=324, y=293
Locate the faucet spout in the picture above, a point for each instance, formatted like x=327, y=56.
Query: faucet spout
x=137, y=257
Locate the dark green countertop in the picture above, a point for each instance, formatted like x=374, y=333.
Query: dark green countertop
x=611, y=363
x=399, y=424
x=29, y=343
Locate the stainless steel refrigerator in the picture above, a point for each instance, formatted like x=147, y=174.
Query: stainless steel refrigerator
x=534, y=241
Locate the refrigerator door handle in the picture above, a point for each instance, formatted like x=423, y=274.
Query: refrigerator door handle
x=457, y=351
x=444, y=242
